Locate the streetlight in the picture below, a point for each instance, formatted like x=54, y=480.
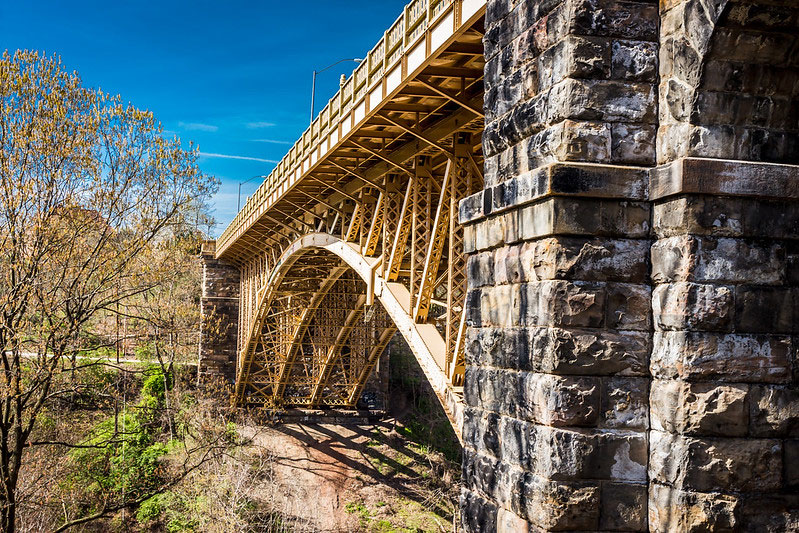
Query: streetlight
x=238, y=204
x=315, y=72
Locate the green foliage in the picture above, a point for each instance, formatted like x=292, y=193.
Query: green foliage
x=412, y=516
x=171, y=509
x=155, y=384
x=361, y=510
x=150, y=510
x=123, y=455
x=144, y=352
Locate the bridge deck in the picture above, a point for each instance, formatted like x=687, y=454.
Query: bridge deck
x=419, y=84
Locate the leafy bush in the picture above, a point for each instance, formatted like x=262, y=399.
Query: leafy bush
x=123, y=455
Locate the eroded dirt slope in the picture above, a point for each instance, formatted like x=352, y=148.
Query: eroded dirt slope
x=333, y=478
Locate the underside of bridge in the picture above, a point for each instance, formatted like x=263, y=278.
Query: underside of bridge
x=380, y=172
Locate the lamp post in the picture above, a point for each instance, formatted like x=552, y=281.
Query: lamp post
x=315, y=72
x=238, y=203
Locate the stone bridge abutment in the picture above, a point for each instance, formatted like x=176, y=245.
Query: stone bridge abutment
x=633, y=306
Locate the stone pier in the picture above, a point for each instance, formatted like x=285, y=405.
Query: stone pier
x=219, y=316
x=633, y=304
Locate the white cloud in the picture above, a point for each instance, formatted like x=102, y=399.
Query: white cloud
x=240, y=157
x=259, y=125
x=197, y=126
x=270, y=141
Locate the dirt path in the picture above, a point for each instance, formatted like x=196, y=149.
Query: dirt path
x=333, y=478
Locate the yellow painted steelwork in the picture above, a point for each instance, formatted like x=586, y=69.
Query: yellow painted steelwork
x=380, y=172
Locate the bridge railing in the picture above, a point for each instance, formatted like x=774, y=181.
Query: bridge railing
x=402, y=50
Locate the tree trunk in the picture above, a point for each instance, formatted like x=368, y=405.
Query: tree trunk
x=8, y=513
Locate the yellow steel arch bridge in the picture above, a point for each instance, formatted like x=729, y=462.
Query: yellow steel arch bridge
x=355, y=235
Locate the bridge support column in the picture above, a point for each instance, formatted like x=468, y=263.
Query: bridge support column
x=632, y=328
x=558, y=308
x=218, y=317
x=724, y=402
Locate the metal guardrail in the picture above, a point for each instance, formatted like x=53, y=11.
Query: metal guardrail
x=372, y=81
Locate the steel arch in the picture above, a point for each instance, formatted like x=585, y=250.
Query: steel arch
x=425, y=341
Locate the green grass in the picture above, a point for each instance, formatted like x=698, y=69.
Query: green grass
x=410, y=517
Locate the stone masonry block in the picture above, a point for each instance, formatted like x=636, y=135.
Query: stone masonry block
x=671, y=509
x=510, y=487
x=600, y=100
x=560, y=401
x=721, y=216
x=503, y=305
x=486, y=435
x=473, y=310
x=498, y=347
x=719, y=260
x=719, y=464
x=574, y=57
x=623, y=507
x=500, y=265
x=770, y=513
x=516, y=441
x=634, y=60
x=628, y=307
x=469, y=243
x=700, y=356
x=628, y=20
x=471, y=388
x=485, y=474
x=791, y=463
x=633, y=144
x=489, y=233
x=793, y=263
x=510, y=522
x=575, y=179
x=561, y=506
x=477, y=513
x=570, y=216
x=470, y=417
x=588, y=259
x=589, y=351
x=693, y=306
x=625, y=403
x=570, y=455
x=702, y=409
x=492, y=390
x=517, y=86
x=480, y=268
x=774, y=411
x=511, y=226
x=766, y=310
x=580, y=141
x=563, y=303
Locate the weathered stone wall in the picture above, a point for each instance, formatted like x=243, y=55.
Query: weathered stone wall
x=729, y=72
x=219, y=316
x=631, y=347
x=724, y=402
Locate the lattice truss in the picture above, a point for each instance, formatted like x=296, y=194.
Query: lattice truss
x=319, y=340
x=309, y=331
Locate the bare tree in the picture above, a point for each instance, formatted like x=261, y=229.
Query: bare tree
x=88, y=188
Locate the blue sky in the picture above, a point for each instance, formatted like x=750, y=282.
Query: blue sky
x=233, y=76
